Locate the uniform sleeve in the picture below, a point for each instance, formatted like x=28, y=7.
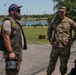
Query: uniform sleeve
x=7, y=25
x=49, y=31
x=73, y=24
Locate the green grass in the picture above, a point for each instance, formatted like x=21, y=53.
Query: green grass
x=32, y=35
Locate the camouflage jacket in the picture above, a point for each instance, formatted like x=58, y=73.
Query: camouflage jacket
x=62, y=31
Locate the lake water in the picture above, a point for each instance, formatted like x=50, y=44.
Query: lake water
x=32, y=22
x=0, y=23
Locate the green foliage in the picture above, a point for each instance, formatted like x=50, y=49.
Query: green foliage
x=32, y=35
x=49, y=19
x=37, y=24
x=74, y=18
x=70, y=5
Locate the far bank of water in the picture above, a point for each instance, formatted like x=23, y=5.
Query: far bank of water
x=31, y=22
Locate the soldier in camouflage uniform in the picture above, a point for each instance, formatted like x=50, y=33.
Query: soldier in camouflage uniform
x=14, y=38
x=61, y=41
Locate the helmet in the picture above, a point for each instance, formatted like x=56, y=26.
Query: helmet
x=11, y=64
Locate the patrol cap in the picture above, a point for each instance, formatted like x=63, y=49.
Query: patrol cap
x=62, y=8
x=13, y=7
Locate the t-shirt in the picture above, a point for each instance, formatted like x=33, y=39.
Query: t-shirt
x=7, y=25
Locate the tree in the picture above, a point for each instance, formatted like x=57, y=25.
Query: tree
x=49, y=19
x=69, y=4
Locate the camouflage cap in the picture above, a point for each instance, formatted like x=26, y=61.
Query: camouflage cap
x=62, y=8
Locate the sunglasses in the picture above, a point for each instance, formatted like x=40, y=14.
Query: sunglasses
x=17, y=10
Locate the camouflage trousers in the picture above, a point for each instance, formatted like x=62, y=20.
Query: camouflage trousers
x=13, y=71
x=63, y=54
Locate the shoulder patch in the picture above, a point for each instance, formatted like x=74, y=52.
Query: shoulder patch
x=14, y=24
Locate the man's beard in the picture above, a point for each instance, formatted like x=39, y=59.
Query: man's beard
x=18, y=17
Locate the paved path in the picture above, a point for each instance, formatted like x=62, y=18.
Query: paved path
x=36, y=59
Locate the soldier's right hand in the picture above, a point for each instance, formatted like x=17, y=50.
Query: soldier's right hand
x=70, y=43
x=52, y=43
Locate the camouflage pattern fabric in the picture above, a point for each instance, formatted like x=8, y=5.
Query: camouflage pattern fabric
x=64, y=54
x=62, y=31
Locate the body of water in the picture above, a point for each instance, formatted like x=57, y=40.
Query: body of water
x=0, y=23
x=30, y=22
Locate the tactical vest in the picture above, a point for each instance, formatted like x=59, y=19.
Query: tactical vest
x=15, y=37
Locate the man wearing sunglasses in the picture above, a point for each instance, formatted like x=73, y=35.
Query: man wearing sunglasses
x=14, y=40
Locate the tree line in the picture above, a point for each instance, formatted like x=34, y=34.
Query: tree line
x=69, y=4
x=48, y=17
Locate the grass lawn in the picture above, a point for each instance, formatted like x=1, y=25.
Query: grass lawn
x=32, y=35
